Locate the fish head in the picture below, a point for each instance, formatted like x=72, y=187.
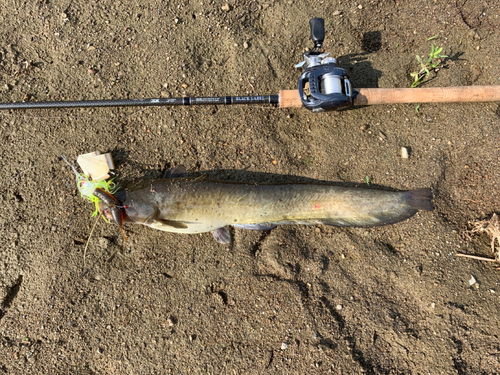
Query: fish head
x=111, y=208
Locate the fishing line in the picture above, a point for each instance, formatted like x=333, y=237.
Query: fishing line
x=88, y=241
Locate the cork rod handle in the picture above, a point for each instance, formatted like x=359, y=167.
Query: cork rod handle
x=460, y=94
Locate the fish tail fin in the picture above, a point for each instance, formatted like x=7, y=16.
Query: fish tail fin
x=420, y=199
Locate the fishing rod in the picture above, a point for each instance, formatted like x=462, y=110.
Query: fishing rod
x=323, y=86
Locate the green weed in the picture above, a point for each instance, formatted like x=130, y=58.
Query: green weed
x=432, y=62
x=308, y=161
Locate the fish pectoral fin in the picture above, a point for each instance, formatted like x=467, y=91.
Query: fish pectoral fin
x=171, y=223
x=222, y=235
x=176, y=172
x=265, y=226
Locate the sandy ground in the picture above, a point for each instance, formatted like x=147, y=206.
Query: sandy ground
x=297, y=299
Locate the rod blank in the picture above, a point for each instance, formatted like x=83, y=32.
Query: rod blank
x=222, y=100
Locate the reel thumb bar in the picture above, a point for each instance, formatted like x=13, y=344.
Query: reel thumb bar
x=458, y=94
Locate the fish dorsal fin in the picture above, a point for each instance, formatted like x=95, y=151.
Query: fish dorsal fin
x=171, y=223
x=176, y=172
x=200, y=178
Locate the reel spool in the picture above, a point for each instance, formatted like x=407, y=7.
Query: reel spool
x=323, y=85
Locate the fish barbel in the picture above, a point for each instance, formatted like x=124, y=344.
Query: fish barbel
x=197, y=205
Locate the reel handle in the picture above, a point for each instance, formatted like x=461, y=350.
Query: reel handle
x=317, y=32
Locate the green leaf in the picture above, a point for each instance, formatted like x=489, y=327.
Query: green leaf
x=416, y=82
x=419, y=59
x=432, y=37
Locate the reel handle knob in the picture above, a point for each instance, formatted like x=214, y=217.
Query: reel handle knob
x=317, y=32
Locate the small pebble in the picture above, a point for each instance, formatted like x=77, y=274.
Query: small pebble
x=245, y=45
x=473, y=34
x=404, y=153
x=472, y=280
x=226, y=7
x=360, y=6
x=103, y=242
x=337, y=13
x=284, y=345
x=338, y=307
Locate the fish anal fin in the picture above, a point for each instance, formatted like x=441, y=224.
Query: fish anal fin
x=264, y=226
x=222, y=235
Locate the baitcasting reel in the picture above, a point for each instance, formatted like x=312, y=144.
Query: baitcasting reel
x=323, y=85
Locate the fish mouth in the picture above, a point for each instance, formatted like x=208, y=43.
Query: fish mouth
x=105, y=211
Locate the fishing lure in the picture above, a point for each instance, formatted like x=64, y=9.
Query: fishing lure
x=94, y=191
